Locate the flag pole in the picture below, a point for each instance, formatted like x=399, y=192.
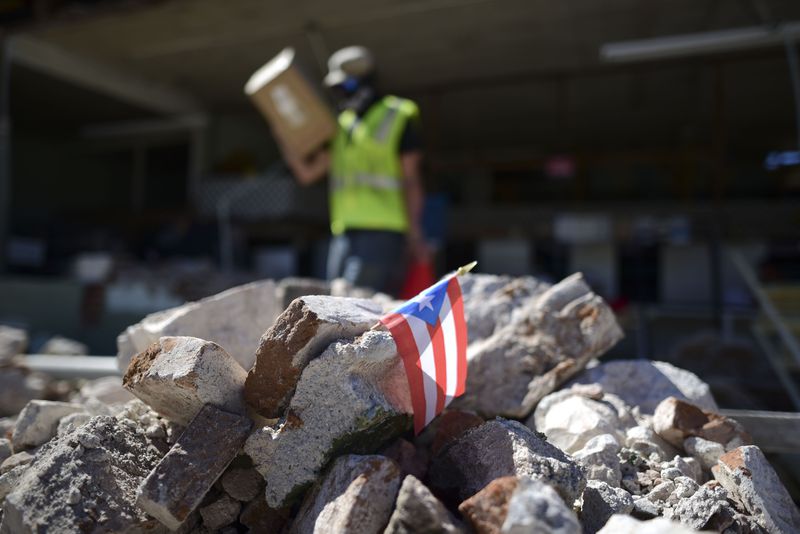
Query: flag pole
x=464, y=269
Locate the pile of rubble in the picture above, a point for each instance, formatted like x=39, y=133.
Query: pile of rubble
x=307, y=429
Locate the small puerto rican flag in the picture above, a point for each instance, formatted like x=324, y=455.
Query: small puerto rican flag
x=431, y=337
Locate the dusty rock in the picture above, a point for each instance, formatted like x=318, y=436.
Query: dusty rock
x=9, y=481
x=72, y=421
x=84, y=481
x=747, y=475
x=501, y=448
x=242, y=483
x=418, y=511
x=549, y=340
x=5, y=449
x=625, y=524
x=353, y=398
x=600, y=461
x=107, y=390
x=15, y=460
x=13, y=341
x=17, y=387
x=646, y=442
x=599, y=502
x=38, y=422
x=570, y=419
x=675, y=420
x=299, y=335
x=234, y=319
x=177, y=485
x=706, y=509
x=177, y=376
x=645, y=384
x=357, y=495
x=64, y=346
x=705, y=451
x=220, y=513
x=487, y=509
x=536, y=507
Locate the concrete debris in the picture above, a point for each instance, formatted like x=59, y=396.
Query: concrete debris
x=625, y=524
x=257, y=516
x=599, y=502
x=177, y=485
x=549, y=340
x=705, y=451
x=487, y=509
x=84, y=481
x=645, y=384
x=751, y=480
x=15, y=460
x=177, y=376
x=352, y=398
x=5, y=449
x=356, y=496
x=600, y=460
x=501, y=448
x=220, y=513
x=106, y=390
x=536, y=507
x=234, y=319
x=38, y=422
x=72, y=421
x=412, y=460
x=418, y=511
x=18, y=386
x=299, y=335
x=64, y=346
x=647, y=443
x=242, y=483
x=675, y=420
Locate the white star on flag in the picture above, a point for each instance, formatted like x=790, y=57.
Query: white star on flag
x=425, y=302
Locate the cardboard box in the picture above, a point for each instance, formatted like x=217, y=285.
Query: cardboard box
x=292, y=106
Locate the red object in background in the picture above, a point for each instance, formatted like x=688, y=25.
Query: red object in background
x=418, y=278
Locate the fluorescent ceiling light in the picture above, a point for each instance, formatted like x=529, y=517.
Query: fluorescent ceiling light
x=691, y=44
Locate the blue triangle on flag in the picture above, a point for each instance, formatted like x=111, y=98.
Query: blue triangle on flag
x=427, y=305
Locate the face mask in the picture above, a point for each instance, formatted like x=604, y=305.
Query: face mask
x=358, y=100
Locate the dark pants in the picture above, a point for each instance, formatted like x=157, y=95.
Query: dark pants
x=369, y=258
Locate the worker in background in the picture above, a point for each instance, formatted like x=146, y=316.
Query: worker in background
x=374, y=165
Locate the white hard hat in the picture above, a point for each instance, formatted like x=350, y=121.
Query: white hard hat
x=353, y=61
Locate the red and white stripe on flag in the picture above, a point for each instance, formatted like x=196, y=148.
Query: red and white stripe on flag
x=431, y=337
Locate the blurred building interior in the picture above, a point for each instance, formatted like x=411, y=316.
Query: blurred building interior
x=648, y=144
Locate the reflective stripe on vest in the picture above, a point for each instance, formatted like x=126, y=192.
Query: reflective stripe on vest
x=366, y=177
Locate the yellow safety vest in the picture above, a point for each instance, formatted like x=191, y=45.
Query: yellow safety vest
x=366, y=178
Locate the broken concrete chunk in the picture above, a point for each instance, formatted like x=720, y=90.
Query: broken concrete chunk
x=356, y=496
x=705, y=451
x=749, y=478
x=353, y=398
x=599, y=459
x=646, y=442
x=38, y=422
x=177, y=376
x=220, y=513
x=233, y=319
x=599, y=502
x=418, y=511
x=15, y=460
x=299, y=335
x=675, y=420
x=488, y=508
x=625, y=524
x=501, y=448
x=536, y=507
x=550, y=339
x=72, y=421
x=645, y=384
x=177, y=485
x=84, y=481
x=242, y=483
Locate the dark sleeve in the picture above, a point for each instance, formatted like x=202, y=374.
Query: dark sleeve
x=411, y=139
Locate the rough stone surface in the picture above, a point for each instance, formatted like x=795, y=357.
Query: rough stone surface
x=17, y=387
x=220, y=513
x=234, y=319
x=356, y=496
x=707, y=508
x=546, y=343
x=449, y=425
x=536, y=507
x=675, y=420
x=64, y=346
x=645, y=384
x=177, y=485
x=299, y=335
x=38, y=422
x=107, y=390
x=353, y=398
x=177, y=376
x=84, y=481
x=487, y=509
x=599, y=459
x=13, y=341
x=5, y=449
x=599, y=502
x=748, y=477
x=625, y=524
x=15, y=460
x=418, y=511
x=242, y=483
x=501, y=448
x=705, y=451
x=72, y=421
x=646, y=442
